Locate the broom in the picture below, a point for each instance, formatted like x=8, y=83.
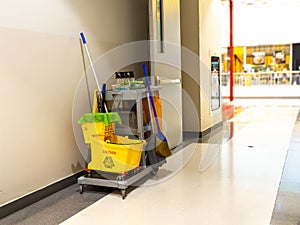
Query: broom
x=162, y=147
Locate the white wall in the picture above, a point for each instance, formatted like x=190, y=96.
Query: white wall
x=40, y=67
x=190, y=81
x=262, y=25
x=210, y=45
x=201, y=34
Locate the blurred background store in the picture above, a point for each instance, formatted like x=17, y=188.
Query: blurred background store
x=266, y=47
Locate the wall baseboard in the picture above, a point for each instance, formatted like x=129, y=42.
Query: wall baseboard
x=201, y=134
x=38, y=195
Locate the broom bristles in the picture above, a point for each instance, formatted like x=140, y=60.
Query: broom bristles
x=162, y=148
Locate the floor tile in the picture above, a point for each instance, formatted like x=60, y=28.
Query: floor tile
x=285, y=221
x=292, y=168
x=57, y=207
x=239, y=188
x=287, y=206
x=289, y=188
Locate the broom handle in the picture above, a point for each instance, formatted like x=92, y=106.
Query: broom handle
x=151, y=97
x=150, y=113
x=92, y=65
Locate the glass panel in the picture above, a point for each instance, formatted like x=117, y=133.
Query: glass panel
x=215, y=83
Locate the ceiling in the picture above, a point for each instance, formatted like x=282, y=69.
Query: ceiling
x=262, y=2
x=267, y=2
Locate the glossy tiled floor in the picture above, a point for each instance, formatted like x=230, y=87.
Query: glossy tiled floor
x=253, y=180
x=287, y=207
x=240, y=187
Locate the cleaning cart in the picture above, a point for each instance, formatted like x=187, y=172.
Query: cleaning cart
x=113, y=157
x=118, y=161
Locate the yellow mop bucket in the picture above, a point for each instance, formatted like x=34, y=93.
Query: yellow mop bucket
x=100, y=125
x=117, y=155
x=109, y=153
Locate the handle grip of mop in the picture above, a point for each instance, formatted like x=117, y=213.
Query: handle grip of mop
x=83, y=38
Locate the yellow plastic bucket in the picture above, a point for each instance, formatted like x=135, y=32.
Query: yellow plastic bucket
x=118, y=155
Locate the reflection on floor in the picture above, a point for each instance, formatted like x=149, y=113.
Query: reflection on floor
x=240, y=187
x=244, y=185
x=287, y=207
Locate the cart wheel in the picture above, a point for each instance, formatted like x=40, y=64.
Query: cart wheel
x=123, y=192
x=81, y=188
x=89, y=175
x=154, y=171
x=120, y=178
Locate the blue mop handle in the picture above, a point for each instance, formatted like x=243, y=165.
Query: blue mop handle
x=151, y=97
x=83, y=38
x=90, y=59
x=92, y=65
